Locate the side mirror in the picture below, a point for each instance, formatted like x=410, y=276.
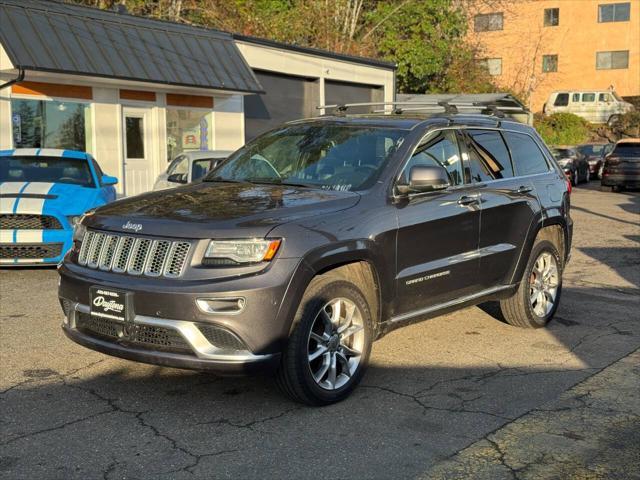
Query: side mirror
x=108, y=180
x=426, y=179
x=177, y=178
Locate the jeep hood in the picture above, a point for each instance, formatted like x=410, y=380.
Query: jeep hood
x=221, y=210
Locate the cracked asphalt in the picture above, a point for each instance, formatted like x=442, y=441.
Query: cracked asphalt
x=462, y=395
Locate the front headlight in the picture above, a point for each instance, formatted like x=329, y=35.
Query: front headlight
x=233, y=252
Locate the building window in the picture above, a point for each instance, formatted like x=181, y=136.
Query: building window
x=551, y=17
x=188, y=130
x=493, y=65
x=488, y=22
x=614, y=12
x=550, y=63
x=50, y=124
x=612, y=60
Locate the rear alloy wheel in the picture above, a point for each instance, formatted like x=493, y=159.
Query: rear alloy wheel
x=538, y=295
x=329, y=346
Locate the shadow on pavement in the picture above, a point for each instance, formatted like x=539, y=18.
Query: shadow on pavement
x=116, y=419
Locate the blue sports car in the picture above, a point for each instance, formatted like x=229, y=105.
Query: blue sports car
x=43, y=193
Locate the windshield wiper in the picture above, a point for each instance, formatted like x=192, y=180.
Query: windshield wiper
x=260, y=181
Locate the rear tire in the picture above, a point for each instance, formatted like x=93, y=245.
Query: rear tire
x=329, y=347
x=535, y=302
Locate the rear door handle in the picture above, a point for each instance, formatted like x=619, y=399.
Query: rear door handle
x=468, y=200
x=523, y=189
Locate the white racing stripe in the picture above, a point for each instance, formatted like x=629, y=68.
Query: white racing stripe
x=6, y=236
x=9, y=188
x=34, y=205
x=29, y=152
x=22, y=260
x=29, y=236
x=50, y=152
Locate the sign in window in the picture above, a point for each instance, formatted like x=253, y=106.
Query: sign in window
x=612, y=60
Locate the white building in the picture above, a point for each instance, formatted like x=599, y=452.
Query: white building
x=135, y=92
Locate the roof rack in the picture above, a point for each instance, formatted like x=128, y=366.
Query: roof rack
x=485, y=108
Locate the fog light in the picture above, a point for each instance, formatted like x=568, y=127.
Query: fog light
x=226, y=306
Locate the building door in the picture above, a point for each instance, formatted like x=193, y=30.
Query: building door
x=138, y=166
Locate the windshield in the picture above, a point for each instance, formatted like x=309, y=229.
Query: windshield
x=627, y=150
x=45, y=169
x=332, y=157
x=592, y=150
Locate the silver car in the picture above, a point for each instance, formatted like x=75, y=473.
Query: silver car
x=189, y=167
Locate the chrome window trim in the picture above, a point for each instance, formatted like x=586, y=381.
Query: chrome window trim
x=394, y=196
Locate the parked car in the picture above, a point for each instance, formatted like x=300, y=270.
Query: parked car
x=189, y=167
x=574, y=165
x=317, y=238
x=43, y=193
x=622, y=166
x=596, y=106
x=594, y=154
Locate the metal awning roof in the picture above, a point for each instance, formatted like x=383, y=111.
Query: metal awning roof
x=55, y=37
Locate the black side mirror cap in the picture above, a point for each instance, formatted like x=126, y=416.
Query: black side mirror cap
x=425, y=179
x=177, y=178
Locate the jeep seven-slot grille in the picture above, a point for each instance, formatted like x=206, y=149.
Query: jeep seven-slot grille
x=19, y=221
x=133, y=255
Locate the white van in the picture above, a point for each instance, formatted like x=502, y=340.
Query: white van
x=595, y=106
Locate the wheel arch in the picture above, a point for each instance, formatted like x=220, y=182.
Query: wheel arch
x=554, y=229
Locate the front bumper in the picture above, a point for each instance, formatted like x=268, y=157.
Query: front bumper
x=169, y=343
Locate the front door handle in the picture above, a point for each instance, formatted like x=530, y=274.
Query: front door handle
x=523, y=189
x=468, y=200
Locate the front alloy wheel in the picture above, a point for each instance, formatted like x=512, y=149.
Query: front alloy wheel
x=335, y=343
x=329, y=345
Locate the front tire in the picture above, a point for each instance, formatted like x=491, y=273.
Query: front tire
x=535, y=302
x=329, y=347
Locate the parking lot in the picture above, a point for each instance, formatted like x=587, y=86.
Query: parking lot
x=459, y=395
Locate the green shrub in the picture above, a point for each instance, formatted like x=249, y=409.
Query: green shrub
x=629, y=124
x=562, y=128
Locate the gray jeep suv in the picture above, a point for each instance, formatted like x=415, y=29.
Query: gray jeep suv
x=316, y=239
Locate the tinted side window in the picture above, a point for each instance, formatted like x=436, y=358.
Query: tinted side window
x=492, y=152
x=562, y=100
x=439, y=150
x=527, y=157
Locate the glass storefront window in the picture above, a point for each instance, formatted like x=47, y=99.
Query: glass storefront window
x=50, y=124
x=188, y=130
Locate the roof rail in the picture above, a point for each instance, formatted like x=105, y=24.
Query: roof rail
x=484, y=108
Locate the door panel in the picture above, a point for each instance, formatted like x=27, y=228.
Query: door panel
x=509, y=203
x=437, y=249
x=437, y=245
x=137, y=154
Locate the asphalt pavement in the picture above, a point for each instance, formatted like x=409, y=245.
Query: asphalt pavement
x=462, y=395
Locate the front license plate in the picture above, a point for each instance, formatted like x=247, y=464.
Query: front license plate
x=109, y=303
